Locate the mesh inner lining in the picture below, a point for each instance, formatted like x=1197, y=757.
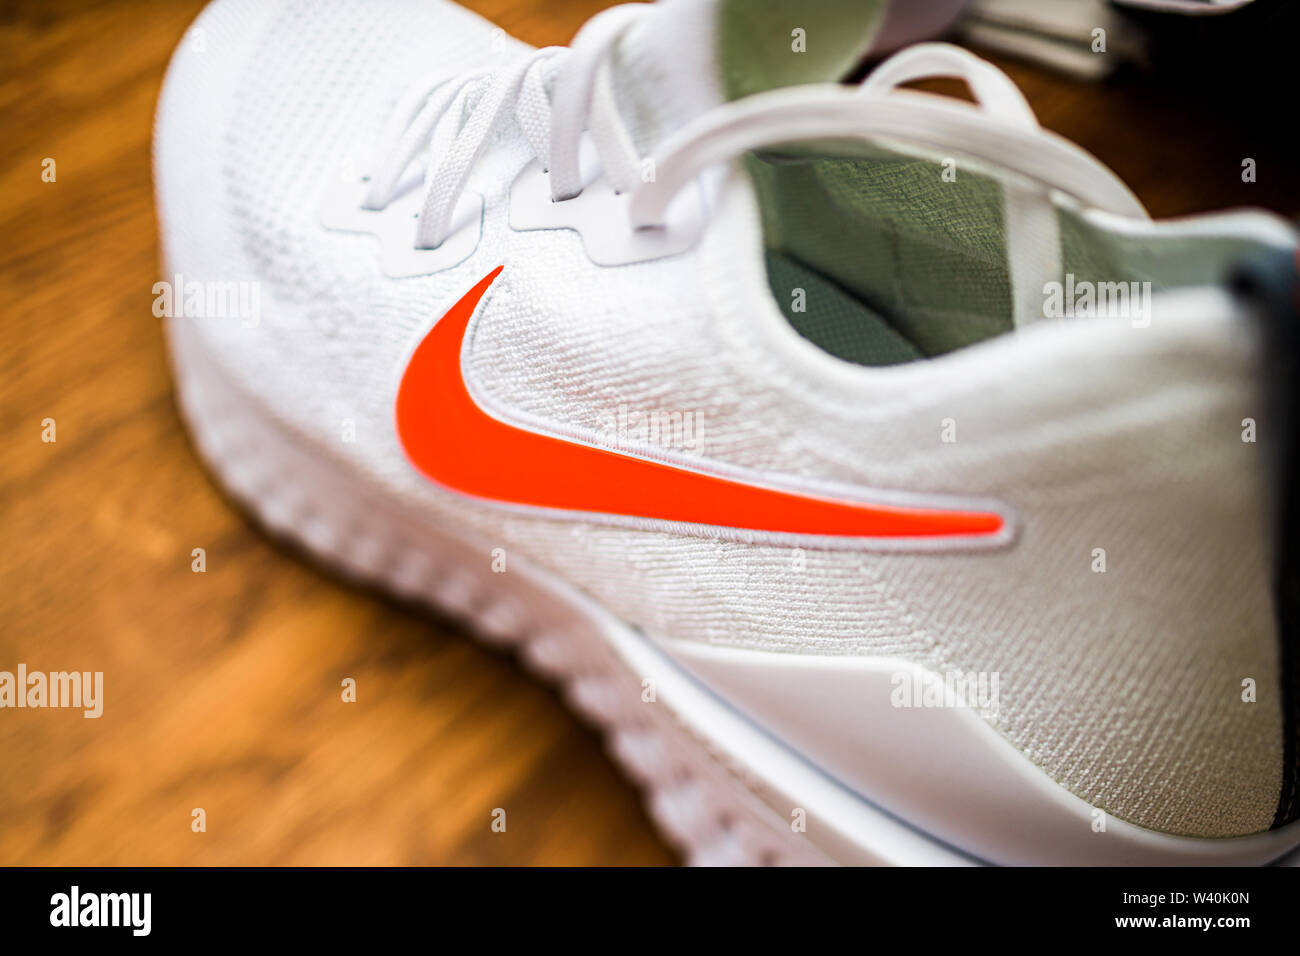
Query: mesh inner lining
x=893, y=263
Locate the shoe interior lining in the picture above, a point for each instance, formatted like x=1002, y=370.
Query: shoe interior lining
x=877, y=259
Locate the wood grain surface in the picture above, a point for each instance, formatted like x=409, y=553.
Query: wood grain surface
x=222, y=689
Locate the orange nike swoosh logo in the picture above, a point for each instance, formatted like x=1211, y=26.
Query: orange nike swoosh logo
x=454, y=442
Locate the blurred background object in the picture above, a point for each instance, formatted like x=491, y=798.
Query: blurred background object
x=1198, y=43
x=1055, y=33
x=223, y=686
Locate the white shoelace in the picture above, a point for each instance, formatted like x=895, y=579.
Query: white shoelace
x=558, y=93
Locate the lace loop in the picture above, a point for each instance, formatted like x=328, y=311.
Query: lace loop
x=556, y=93
x=574, y=93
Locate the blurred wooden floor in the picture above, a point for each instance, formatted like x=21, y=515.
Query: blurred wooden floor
x=222, y=688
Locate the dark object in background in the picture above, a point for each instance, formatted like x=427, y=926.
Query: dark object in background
x=1242, y=50
x=1272, y=286
x=1199, y=44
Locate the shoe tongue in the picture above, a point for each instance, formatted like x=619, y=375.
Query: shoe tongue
x=684, y=57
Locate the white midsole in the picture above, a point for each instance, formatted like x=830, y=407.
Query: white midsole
x=722, y=787
x=886, y=728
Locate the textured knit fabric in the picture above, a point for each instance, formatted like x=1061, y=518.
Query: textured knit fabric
x=838, y=322
x=1124, y=686
x=763, y=44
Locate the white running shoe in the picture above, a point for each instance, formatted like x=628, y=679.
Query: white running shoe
x=867, y=463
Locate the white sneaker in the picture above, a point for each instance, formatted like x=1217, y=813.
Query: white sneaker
x=854, y=558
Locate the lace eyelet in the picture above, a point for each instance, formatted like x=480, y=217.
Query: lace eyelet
x=342, y=210
x=599, y=215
